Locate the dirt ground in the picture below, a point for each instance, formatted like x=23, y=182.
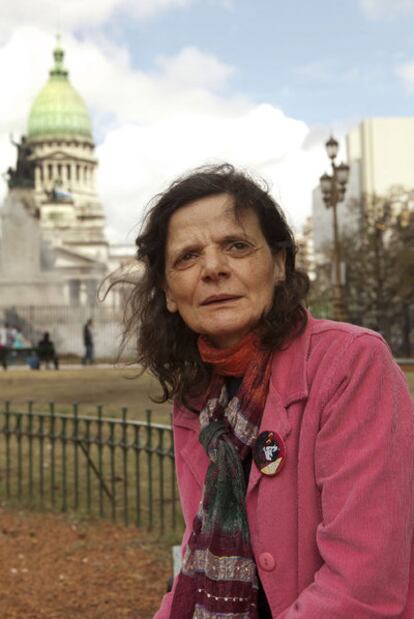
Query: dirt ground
x=60, y=567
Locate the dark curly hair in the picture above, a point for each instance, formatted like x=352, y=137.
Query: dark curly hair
x=165, y=345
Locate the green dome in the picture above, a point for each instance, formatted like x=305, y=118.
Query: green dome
x=58, y=110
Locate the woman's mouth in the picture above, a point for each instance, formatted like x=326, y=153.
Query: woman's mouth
x=220, y=299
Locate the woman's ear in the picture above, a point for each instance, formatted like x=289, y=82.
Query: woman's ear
x=280, y=266
x=169, y=301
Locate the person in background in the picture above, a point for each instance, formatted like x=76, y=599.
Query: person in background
x=20, y=341
x=11, y=334
x=88, y=342
x=3, y=347
x=46, y=352
x=294, y=437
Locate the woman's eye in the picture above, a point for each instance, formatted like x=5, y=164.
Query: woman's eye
x=239, y=245
x=187, y=257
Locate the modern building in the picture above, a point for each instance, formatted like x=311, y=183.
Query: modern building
x=383, y=149
x=379, y=152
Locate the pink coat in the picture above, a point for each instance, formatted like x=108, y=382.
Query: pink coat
x=332, y=533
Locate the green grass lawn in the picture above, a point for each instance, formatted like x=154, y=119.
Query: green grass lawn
x=113, y=388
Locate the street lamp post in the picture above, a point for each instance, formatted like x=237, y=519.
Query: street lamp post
x=333, y=188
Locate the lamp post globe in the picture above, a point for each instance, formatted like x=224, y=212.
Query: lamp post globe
x=332, y=147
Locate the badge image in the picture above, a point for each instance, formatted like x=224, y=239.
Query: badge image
x=269, y=453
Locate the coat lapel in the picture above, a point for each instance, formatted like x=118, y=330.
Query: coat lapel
x=275, y=417
x=189, y=446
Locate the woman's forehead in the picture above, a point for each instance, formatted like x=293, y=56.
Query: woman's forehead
x=212, y=213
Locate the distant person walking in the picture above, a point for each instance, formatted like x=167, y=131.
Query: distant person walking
x=88, y=342
x=7, y=337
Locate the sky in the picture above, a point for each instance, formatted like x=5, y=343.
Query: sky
x=174, y=84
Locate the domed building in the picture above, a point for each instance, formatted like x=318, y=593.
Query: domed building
x=53, y=249
x=59, y=135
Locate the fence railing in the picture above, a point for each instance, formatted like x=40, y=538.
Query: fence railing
x=107, y=467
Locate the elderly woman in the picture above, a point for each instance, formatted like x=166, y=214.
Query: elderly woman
x=294, y=437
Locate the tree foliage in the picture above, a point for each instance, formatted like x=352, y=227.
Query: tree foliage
x=379, y=259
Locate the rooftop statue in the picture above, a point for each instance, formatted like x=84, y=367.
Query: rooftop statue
x=23, y=175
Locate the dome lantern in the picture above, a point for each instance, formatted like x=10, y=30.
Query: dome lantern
x=58, y=69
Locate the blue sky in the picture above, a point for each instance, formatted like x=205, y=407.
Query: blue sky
x=320, y=61
x=172, y=84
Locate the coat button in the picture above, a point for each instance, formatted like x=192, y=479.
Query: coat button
x=267, y=561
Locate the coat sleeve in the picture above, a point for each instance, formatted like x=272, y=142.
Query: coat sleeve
x=165, y=608
x=364, y=462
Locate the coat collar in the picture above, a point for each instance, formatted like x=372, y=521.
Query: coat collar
x=288, y=379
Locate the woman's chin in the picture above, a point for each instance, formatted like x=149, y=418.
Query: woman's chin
x=226, y=338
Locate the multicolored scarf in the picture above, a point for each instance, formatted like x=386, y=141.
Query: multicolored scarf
x=218, y=577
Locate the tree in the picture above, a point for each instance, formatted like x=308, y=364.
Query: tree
x=379, y=258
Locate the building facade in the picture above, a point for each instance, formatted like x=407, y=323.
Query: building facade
x=54, y=253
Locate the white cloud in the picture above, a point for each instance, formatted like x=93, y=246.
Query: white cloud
x=378, y=9
x=70, y=14
x=191, y=68
x=155, y=125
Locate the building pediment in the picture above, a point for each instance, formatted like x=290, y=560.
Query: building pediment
x=69, y=259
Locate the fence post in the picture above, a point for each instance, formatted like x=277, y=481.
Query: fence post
x=41, y=459
x=7, y=435
x=64, y=468
x=148, y=414
x=100, y=458
x=111, y=443
x=137, y=449
x=30, y=437
x=76, y=452
x=161, y=456
x=19, y=456
x=52, y=438
x=124, y=447
x=88, y=468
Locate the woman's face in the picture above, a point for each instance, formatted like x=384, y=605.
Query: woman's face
x=219, y=271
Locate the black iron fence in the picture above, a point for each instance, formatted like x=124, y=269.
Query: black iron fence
x=107, y=467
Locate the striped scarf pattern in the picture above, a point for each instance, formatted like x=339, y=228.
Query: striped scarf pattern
x=218, y=579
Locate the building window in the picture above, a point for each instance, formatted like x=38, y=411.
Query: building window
x=68, y=171
x=50, y=171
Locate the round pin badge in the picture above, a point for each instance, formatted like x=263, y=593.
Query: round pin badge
x=269, y=452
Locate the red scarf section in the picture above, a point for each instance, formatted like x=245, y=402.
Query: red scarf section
x=229, y=361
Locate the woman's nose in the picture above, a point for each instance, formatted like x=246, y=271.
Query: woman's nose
x=215, y=264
